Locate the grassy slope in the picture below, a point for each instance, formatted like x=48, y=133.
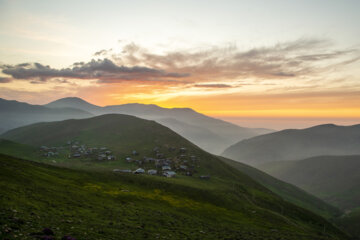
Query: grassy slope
x=335, y=179
x=122, y=134
x=287, y=191
x=350, y=222
x=109, y=206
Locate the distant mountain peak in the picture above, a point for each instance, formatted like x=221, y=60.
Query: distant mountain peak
x=70, y=100
x=73, y=102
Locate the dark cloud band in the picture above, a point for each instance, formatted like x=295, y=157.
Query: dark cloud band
x=103, y=70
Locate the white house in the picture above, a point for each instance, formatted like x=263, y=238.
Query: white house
x=169, y=174
x=139, y=171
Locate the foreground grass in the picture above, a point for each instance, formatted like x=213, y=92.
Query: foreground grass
x=95, y=205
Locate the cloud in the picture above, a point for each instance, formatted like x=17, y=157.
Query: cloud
x=103, y=70
x=294, y=60
x=5, y=80
x=283, y=60
x=216, y=85
x=103, y=52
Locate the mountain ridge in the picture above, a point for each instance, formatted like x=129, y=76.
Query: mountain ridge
x=15, y=114
x=296, y=144
x=226, y=133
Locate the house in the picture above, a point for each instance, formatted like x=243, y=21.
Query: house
x=148, y=160
x=135, y=153
x=152, y=172
x=111, y=157
x=122, y=170
x=158, y=164
x=101, y=157
x=183, y=150
x=166, y=168
x=139, y=171
x=76, y=155
x=107, y=152
x=183, y=167
x=128, y=159
x=169, y=174
x=193, y=158
x=205, y=177
x=171, y=149
x=49, y=154
x=103, y=148
x=159, y=155
x=44, y=148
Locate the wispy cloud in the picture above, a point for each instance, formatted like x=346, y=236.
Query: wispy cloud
x=214, y=67
x=283, y=60
x=216, y=85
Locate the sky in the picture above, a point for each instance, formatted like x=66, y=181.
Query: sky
x=271, y=63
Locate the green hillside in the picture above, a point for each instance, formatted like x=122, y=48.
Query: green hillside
x=335, y=179
x=287, y=191
x=122, y=134
x=85, y=205
x=350, y=222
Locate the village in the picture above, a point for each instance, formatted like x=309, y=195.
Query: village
x=165, y=161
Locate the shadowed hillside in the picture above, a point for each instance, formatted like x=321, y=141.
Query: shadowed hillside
x=110, y=206
x=335, y=179
x=297, y=144
x=15, y=114
x=287, y=191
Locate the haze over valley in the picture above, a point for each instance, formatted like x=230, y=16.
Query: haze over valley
x=179, y=120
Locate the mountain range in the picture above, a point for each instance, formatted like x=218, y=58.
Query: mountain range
x=228, y=203
x=15, y=114
x=211, y=134
x=123, y=134
x=265, y=207
x=297, y=144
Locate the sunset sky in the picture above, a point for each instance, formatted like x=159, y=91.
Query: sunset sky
x=271, y=63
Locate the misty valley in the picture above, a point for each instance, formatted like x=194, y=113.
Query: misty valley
x=179, y=120
x=129, y=172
